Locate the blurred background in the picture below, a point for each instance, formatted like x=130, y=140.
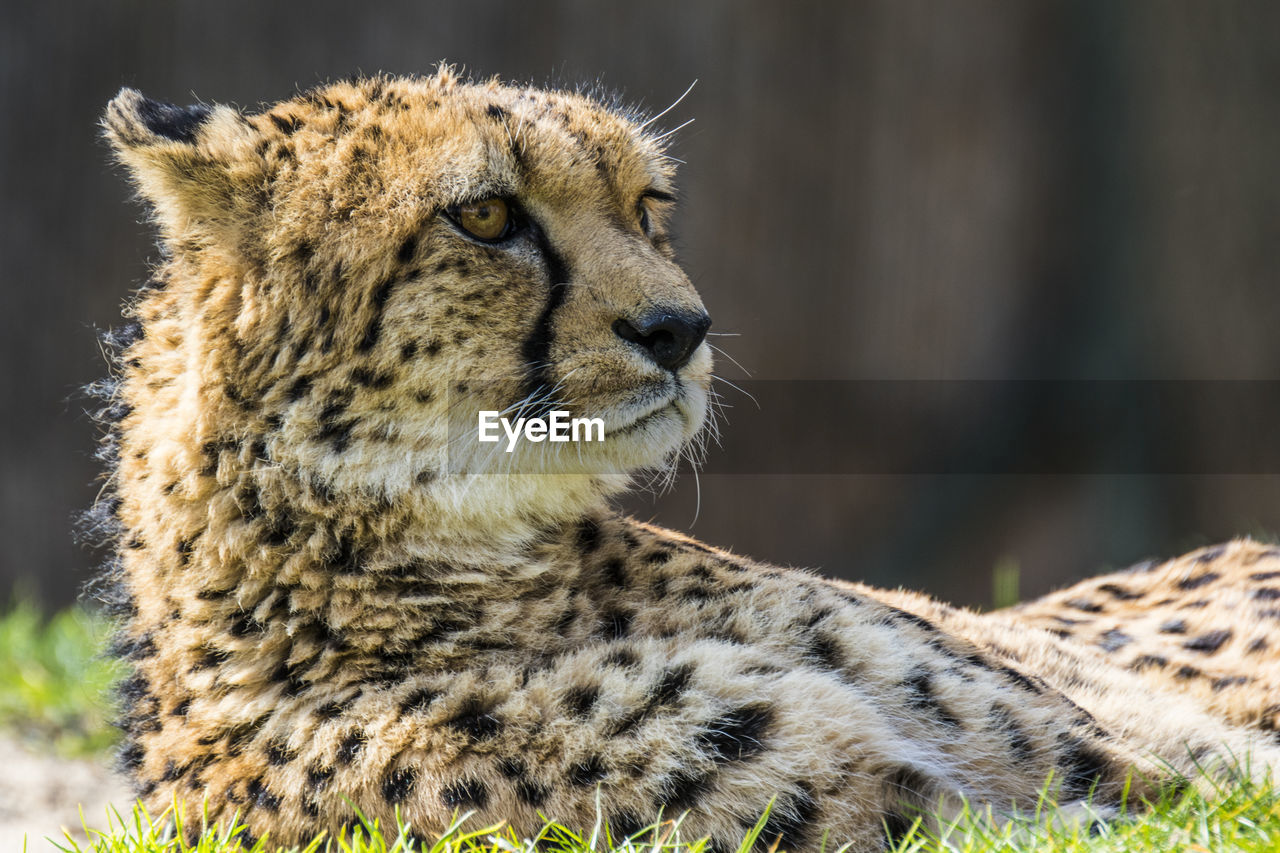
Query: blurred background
x=888, y=191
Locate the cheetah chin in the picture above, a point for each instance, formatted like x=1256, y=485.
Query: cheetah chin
x=331, y=596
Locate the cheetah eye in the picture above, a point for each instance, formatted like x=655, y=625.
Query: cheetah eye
x=648, y=198
x=488, y=220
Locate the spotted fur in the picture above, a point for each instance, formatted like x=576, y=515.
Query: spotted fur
x=330, y=600
x=1204, y=624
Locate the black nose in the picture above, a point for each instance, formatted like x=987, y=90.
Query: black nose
x=668, y=338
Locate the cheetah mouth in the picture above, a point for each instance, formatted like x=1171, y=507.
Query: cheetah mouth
x=645, y=406
x=638, y=423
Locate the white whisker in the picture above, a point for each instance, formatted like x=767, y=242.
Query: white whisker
x=674, y=104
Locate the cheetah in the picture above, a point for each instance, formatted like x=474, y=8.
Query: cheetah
x=331, y=598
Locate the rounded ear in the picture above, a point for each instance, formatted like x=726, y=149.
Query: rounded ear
x=197, y=165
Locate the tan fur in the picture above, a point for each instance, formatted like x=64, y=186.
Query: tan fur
x=334, y=598
x=1203, y=625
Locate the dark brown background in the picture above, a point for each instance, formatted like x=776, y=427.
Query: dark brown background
x=875, y=190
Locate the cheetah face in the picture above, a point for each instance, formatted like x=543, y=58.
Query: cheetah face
x=371, y=265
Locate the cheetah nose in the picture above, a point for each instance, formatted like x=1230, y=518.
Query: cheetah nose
x=667, y=338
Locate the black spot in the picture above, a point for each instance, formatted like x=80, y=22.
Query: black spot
x=407, y=249
x=173, y=122
x=1266, y=593
x=683, y=789
x=897, y=824
x=288, y=125
x=350, y=747
x=623, y=825
x=1084, y=605
x=588, y=538
x=371, y=333
x=824, y=650
x=914, y=619
x=580, y=700
x=658, y=556
x=1228, y=681
x=1114, y=639
x=261, y=796
x=1212, y=554
x=565, y=620
x=614, y=573
x=210, y=657
x=1146, y=661
x=588, y=772
x=131, y=755
x=300, y=388
x=278, y=752
x=919, y=687
x=418, y=701
x=398, y=785
x=134, y=649
x=246, y=625
x=667, y=691
x=1208, y=643
x=616, y=624
x=496, y=112
x=1081, y=766
x=1258, y=644
x=1264, y=576
x=408, y=350
x=1174, y=626
x=370, y=379
x=318, y=777
x=791, y=823
x=333, y=430
x=289, y=676
x=738, y=734
x=1021, y=745
x=1197, y=582
x=671, y=685
x=531, y=793
x=512, y=768
x=465, y=794
x=622, y=657
x=475, y=721
x=180, y=709
x=134, y=689
x=1120, y=592
x=328, y=711
x=1186, y=672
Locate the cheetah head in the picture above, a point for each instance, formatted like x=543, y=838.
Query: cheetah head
x=351, y=276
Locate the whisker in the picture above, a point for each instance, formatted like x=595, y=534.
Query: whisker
x=674, y=104
x=731, y=358
x=736, y=388
x=674, y=130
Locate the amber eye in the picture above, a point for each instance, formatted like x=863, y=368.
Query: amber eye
x=487, y=219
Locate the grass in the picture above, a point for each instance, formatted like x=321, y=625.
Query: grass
x=1244, y=817
x=53, y=689
x=54, y=683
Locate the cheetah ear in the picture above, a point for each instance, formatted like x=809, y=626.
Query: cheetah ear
x=196, y=165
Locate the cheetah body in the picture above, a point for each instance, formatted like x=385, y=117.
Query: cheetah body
x=331, y=600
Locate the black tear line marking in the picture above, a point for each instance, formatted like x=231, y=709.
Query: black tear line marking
x=536, y=348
